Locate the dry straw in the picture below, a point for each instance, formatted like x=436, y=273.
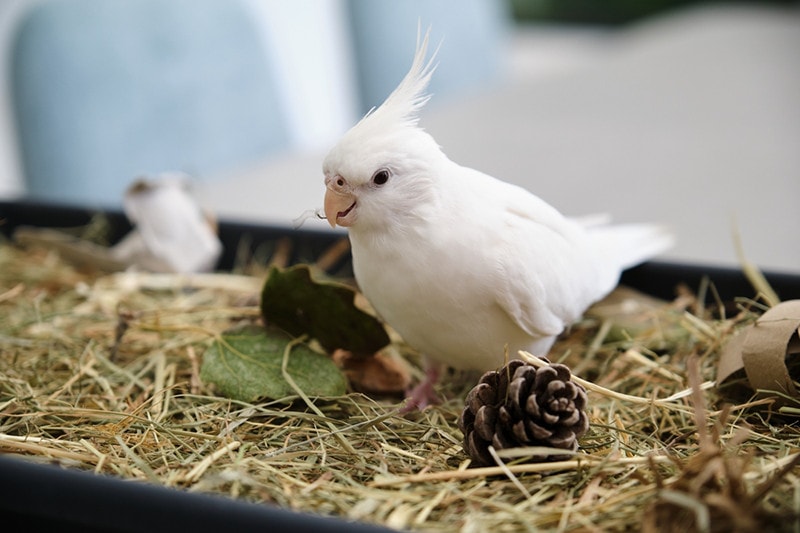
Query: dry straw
x=100, y=372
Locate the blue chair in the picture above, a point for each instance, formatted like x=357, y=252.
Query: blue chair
x=104, y=91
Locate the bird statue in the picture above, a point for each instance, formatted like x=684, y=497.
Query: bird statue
x=465, y=267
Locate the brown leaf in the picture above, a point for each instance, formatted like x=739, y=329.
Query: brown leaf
x=380, y=374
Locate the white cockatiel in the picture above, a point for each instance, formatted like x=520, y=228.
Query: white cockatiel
x=460, y=264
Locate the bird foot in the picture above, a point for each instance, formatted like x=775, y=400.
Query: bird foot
x=424, y=393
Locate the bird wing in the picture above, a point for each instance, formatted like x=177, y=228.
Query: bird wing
x=547, y=271
x=541, y=287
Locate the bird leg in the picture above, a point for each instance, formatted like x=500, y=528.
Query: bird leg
x=424, y=393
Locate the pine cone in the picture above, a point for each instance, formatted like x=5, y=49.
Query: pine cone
x=535, y=407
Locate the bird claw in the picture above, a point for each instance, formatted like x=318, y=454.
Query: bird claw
x=424, y=393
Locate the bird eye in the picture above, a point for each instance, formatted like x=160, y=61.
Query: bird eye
x=380, y=177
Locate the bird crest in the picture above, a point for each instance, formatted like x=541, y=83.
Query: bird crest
x=403, y=104
x=401, y=108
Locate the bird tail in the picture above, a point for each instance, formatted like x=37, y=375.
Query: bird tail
x=627, y=245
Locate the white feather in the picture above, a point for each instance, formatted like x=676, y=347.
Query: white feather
x=627, y=245
x=402, y=106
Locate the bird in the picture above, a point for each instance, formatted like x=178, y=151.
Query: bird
x=172, y=233
x=466, y=268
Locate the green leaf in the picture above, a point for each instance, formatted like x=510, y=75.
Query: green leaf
x=325, y=311
x=246, y=365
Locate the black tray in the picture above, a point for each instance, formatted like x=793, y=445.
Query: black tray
x=657, y=278
x=39, y=497
x=47, y=496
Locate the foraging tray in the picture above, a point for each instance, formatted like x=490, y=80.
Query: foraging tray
x=41, y=496
x=657, y=278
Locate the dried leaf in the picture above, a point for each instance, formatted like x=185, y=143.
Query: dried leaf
x=381, y=373
x=295, y=302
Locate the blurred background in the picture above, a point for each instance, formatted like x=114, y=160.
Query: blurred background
x=674, y=111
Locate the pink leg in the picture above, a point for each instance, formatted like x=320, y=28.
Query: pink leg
x=424, y=394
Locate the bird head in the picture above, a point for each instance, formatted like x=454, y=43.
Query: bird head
x=383, y=168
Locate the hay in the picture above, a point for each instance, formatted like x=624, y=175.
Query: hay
x=101, y=372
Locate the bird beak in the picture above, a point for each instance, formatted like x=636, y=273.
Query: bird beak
x=339, y=201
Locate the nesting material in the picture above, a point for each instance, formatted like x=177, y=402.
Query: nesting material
x=102, y=373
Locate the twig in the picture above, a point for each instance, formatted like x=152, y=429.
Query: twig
x=489, y=471
x=752, y=272
x=194, y=381
x=31, y=445
x=667, y=403
x=13, y=292
x=509, y=474
x=200, y=468
x=333, y=254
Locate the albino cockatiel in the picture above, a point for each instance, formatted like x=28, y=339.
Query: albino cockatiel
x=460, y=264
x=171, y=233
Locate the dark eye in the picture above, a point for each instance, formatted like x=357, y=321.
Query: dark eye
x=380, y=177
